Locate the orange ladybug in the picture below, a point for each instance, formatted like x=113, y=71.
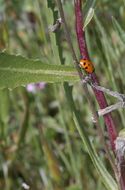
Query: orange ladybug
x=87, y=65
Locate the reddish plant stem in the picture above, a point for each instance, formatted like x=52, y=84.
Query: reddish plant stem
x=79, y=30
x=111, y=128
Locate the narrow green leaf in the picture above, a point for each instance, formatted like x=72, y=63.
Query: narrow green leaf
x=4, y=105
x=16, y=71
x=105, y=176
x=4, y=112
x=89, y=17
x=73, y=187
x=108, y=181
x=119, y=29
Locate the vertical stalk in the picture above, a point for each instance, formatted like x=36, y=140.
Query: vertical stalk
x=111, y=127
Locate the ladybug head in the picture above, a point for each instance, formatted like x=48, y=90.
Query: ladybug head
x=82, y=62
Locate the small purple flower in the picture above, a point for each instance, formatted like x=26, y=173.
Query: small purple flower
x=40, y=85
x=34, y=87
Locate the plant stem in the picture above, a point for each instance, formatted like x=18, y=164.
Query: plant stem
x=111, y=128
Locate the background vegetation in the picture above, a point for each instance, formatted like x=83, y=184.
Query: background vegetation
x=47, y=139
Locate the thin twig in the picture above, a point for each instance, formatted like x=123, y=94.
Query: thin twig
x=56, y=26
x=111, y=108
x=108, y=109
x=115, y=94
x=120, y=158
x=76, y=63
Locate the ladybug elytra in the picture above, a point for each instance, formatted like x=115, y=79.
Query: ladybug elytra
x=87, y=65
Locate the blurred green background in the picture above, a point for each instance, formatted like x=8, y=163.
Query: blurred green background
x=40, y=147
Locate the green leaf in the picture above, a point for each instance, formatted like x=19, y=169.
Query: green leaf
x=4, y=112
x=4, y=105
x=105, y=176
x=17, y=70
x=119, y=29
x=89, y=17
x=73, y=187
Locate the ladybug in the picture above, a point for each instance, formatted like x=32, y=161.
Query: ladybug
x=87, y=65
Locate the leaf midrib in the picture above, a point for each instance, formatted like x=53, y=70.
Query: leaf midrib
x=39, y=71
